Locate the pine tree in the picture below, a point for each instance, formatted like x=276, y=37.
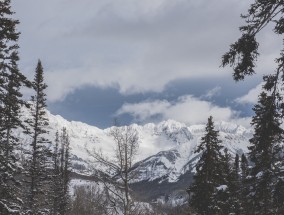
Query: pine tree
x=244, y=167
x=55, y=185
x=278, y=196
x=61, y=174
x=265, y=153
x=65, y=172
x=37, y=173
x=223, y=198
x=265, y=149
x=208, y=175
x=229, y=198
x=236, y=187
x=10, y=103
x=243, y=54
x=244, y=185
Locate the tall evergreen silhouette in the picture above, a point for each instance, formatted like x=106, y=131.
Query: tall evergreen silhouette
x=265, y=153
x=11, y=80
x=244, y=184
x=37, y=173
x=208, y=176
x=61, y=174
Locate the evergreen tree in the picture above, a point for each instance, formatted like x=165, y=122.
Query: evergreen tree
x=10, y=102
x=37, y=173
x=265, y=153
x=244, y=167
x=223, y=197
x=237, y=164
x=243, y=54
x=61, y=174
x=236, y=187
x=208, y=175
x=244, y=185
x=56, y=185
x=279, y=196
x=65, y=172
x=229, y=197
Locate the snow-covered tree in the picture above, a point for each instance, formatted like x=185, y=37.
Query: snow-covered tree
x=60, y=199
x=266, y=154
x=208, y=177
x=37, y=174
x=11, y=79
x=228, y=198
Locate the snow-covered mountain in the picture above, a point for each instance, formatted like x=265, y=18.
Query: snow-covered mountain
x=166, y=152
x=171, y=164
x=165, y=149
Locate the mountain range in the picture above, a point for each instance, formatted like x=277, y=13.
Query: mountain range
x=165, y=163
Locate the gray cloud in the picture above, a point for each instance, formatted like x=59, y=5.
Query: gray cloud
x=135, y=46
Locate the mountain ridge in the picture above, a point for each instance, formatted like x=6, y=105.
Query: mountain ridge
x=170, y=137
x=166, y=160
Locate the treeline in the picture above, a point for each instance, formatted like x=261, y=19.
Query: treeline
x=253, y=185
x=224, y=184
x=34, y=176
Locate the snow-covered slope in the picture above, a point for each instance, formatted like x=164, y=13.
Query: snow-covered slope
x=166, y=150
x=169, y=165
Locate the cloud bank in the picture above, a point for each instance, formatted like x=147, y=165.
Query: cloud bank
x=186, y=109
x=135, y=46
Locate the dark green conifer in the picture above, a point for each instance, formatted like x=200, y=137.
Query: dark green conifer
x=11, y=81
x=244, y=185
x=61, y=174
x=230, y=203
x=244, y=167
x=208, y=175
x=265, y=153
x=37, y=173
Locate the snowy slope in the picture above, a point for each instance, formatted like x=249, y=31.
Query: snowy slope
x=169, y=165
x=166, y=149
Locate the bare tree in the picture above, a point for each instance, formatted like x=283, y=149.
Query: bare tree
x=117, y=185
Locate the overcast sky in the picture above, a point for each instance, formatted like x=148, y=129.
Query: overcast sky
x=140, y=61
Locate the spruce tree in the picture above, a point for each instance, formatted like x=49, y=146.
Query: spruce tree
x=61, y=174
x=244, y=185
x=223, y=197
x=265, y=153
x=208, y=175
x=37, y=173
x=228, y=198
x=235, y=187
x=244, y=167
x=278, y=196
x=11, y=80
x=56, y=182
x=65, y=172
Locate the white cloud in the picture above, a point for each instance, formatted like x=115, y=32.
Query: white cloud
x=186, y=109
x=145, y=110
x=213, y=92
x=251, y=97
